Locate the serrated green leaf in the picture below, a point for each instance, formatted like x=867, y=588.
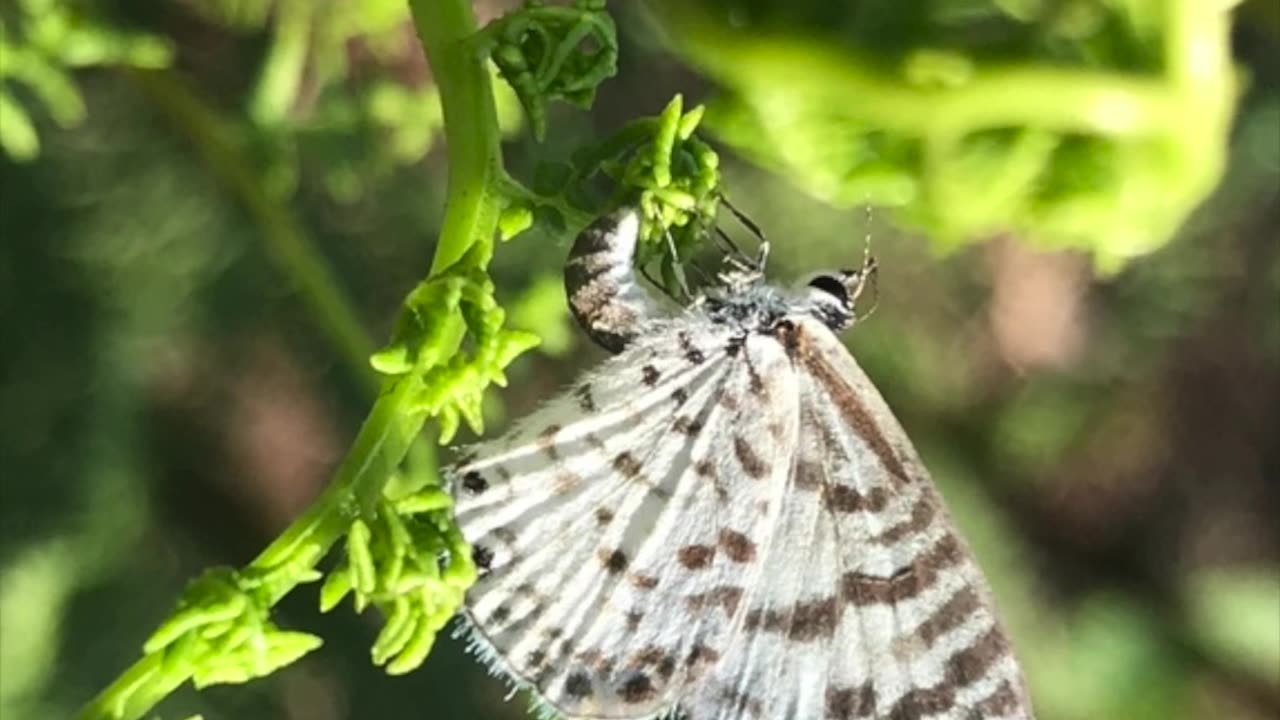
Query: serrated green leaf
x=336, y=586
x=361, y=568
x=396, y=633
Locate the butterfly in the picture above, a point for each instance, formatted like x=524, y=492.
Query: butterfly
x=723, y=521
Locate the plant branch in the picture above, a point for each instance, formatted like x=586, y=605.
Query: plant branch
x=406, y=400
x=473, y=202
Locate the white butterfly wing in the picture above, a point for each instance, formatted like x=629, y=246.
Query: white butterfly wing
x=622, y=526
x=870, y=606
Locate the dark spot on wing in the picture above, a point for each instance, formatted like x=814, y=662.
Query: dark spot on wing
x=501, y=615
x=861, y=589
x=814, y=619
x=923, y=511
x=1003, y=701
x=586, y=400
x=700, y=654
x=751, y=463
x=644, y=582
x=481, y=556
x=950, y=615
x=626, y=464
x=923, y=702
x=845, y=703
x=804, y=621
x=578, y=686
x=547, y=440
x=637, y=689
x=695, y=557
x=691, y=353
x=615, y=561
x=723, y=596
x=633, y=619
x=650, y=375
x=785, y=332
x=474, y=483
x=970, y=664
x=843, y=498
x=737, y=546
x=809, y=475
x=687, y=426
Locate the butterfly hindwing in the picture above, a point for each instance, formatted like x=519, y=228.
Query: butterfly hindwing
x=874, y=608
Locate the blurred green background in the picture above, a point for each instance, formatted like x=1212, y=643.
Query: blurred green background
x=210, y=211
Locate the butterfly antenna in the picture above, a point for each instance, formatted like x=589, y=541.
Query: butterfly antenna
x=869, y=273
x=676, y=267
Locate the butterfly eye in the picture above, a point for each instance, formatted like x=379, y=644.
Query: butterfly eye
x=833, y=286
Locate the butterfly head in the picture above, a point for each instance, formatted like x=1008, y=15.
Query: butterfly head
x=832, y=295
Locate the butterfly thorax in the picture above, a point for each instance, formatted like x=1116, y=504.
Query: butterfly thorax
x=756, y=308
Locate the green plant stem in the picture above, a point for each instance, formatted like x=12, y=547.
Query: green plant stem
x=1052, y=98
x=286, y=242
x=472, y=207
x=285, y=63
x=471, y=130
x=381, y=443
x=148, y=692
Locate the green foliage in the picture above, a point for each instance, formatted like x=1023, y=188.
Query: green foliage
x=403, y=553
x=41, y=43
x=335, y=74
x=394, y=563
x=1235, y=611
x=656, y=163
x=221, y=632
x=542, y=310
x=1065, y=122
x=1087, y=124
x=438, y=315
x=549, y=53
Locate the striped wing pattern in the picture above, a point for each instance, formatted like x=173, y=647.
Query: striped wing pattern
x=617, y=548
x=723, y=522
x=873, y=607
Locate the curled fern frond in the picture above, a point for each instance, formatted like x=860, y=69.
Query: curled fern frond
x=439, y=314
x=409, y=561
x=549, y=53
x=1083, y=124
x=221, y=632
